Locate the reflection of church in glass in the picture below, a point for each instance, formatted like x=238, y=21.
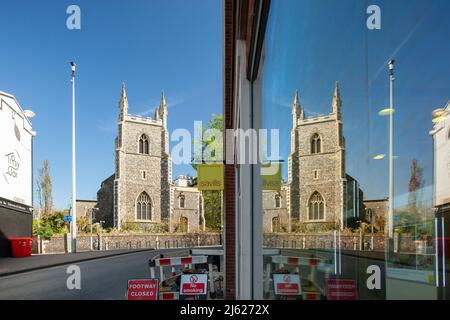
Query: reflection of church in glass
x=315, y=192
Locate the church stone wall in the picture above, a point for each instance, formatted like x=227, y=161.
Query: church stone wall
x=328, y=163
x=132, y=165
x=271, y=211
x=191, y=209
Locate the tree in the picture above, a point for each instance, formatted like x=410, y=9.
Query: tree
x=212, y=198
x=55, y=221
x=380, y=222
x=45, y=189
x=415, y=183
x=213, y=209
x=216, y=123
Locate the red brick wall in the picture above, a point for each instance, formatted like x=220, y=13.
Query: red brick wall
x=229, y=192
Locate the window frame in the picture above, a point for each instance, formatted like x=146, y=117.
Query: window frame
x=144, y=144
x=322, y=202
x=316, y=143
x=148, y=208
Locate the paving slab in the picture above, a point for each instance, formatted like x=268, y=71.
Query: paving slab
x=9, y=266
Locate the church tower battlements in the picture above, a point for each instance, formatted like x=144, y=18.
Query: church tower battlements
x=316, y=165
x=143, y=170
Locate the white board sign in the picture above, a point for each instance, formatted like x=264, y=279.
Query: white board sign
x=15, y=153
x=287, y=284
x=193, y=284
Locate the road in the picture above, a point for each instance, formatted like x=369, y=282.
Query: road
x=106, y=279
x=101, y=279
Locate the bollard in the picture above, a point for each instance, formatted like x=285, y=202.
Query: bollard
x=212, y=288
x=267, y=279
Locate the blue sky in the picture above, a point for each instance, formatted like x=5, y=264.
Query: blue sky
x=311, y=44
x=155, y=45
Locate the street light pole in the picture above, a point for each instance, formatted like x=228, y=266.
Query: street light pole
x=92, y=240
x=371, y=222
x=92, y=212
x=74, y=197
x=39, y=222
x=391, y=152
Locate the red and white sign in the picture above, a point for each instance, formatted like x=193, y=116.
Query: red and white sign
x=168, y=296
x=193, y=284
x=142, y=289
x=341, y=289
x=287, y=284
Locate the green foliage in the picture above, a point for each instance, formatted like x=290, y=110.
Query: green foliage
x=212, y=199
x=160, y=227
x=56, y=222
x=83, y=224
x=213, y=207
x=215, y=122
x=326, y=227
x=43, y=230
x=412, y=222
x=380, y=223
x=131, y=227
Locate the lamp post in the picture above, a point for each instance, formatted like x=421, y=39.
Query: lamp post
x=391, y=152
x=91, y=213
x=74, y=194
x=101, y=222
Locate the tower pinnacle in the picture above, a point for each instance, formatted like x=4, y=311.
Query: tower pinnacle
x=123, y=102
x=336, y=103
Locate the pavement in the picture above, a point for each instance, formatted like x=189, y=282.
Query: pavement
x=102, y=278
x=10, y=266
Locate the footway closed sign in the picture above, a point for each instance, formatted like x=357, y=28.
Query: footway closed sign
x=193, y=284
x=142, y=289
x=341, y=289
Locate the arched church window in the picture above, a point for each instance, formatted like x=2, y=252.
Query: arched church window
x=182, y=200
x=316, y=144
x=316, y=207
x=143, y=145
x=278, y=201
x=144, y=207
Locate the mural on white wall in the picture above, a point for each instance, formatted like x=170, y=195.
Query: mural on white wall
x=15, y=152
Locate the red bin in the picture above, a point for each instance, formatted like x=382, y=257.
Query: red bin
x=21, y=247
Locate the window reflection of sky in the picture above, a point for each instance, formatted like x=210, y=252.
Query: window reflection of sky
x=311, y=44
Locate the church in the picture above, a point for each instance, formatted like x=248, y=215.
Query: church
x=141, y=193
x=314, y=194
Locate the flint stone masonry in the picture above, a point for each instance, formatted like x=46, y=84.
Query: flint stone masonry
x=145, y=171
x=308, y=172
x=406, y=243
x=191, y=209
x=133, y=241
x=271, y=212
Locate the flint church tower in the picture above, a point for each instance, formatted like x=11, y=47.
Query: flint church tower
x=316, y=172
x=143, y=172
